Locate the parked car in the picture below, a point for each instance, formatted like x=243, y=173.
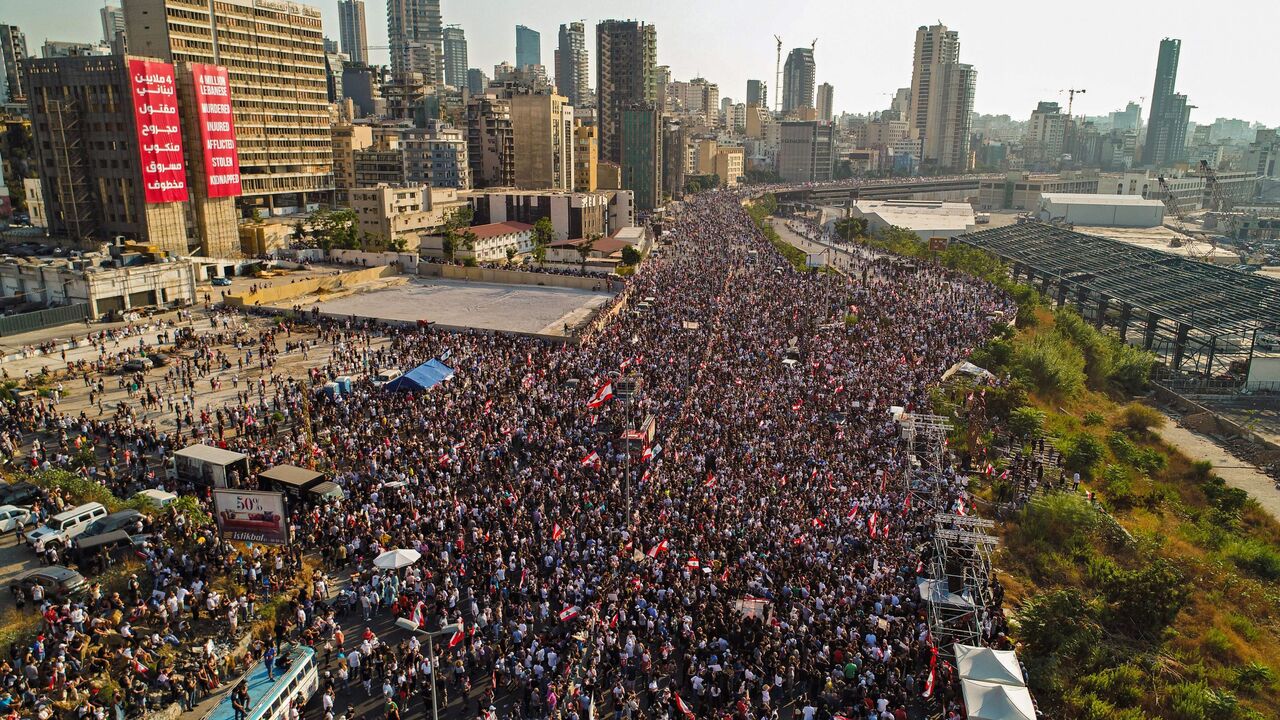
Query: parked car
x=64, y=527
x=221, y=281
x=158, y=359
x=58, y=581
x=134, y=365
x=21, y=493
x=385, y=376
x=12, y=516
x=123, y=520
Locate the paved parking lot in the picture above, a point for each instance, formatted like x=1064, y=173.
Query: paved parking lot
x=512, y=308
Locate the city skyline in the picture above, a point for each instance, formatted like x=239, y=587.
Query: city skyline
x=865, y=68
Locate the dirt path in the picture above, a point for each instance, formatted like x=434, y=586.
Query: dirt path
x=1236, y=472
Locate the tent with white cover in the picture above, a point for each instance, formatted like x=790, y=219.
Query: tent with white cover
x=995, y=701
x=987, y=665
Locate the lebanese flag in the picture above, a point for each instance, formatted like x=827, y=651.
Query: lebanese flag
x=645, y=476
x=1005, y=475
x=796, y=407
x=871, y=523
x=920, y=567
x=656, y=549
x=488, y=406
x=569, y=613
x=800, y=540
x=651, y=452
x=853, y=513
x=990, y=469
x=710, y=481
x=960, y=507
x=906, y=505
x=592, y=460
x=556, y=532
x=139, y=668
x=933, y=673
x=419, y=616
x=684, y=709
x=457, y=638
x=817, y=522
x=602, y=396
x=693, y=563
x=839, y=389
x=613, y=621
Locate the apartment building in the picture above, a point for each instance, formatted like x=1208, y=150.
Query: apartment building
x=806, y=151
x=490, y=142
x=584, y=158
x=572, y=214
x=1022, y=190
x=435, y=155
x=393, y=216
x=543, y=139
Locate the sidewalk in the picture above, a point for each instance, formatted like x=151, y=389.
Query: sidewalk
x=1236, y=472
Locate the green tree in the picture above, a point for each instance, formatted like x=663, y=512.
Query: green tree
x=449, y=246
x=630, y=255
x=511, y=255
x=299, y=232
x=1081, y=452
x=336, y=228
x=1026, y=422
x=544, y=233
x=586, y=247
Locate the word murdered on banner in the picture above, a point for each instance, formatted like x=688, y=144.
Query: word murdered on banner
x=217, y=129
x=155, y=113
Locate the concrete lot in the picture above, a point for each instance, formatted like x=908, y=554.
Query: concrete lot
x=512, y=308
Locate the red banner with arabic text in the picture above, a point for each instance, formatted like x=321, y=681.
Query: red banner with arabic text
x=155, y=112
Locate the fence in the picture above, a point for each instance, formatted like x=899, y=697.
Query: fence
x=26, y=322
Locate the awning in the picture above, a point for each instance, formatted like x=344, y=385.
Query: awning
x=994, y=701
x=987, y=665
x=427, y=375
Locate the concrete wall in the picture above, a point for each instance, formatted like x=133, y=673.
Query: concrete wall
x=409, y=261
x=288, y=291
x=508, y=277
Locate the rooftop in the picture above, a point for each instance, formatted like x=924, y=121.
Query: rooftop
x=492, y=230
x=912, y=214
x=1100, y=199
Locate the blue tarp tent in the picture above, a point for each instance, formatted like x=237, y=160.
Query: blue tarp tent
x=427, y=375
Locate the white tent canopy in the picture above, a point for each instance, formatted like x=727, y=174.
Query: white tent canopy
x=993, y=701
x=987, y=665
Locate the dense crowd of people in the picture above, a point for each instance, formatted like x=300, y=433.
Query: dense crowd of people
x=755, y=556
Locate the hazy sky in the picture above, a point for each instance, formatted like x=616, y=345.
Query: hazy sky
x=1023, y=52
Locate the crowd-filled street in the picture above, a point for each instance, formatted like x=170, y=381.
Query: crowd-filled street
x=755, y=558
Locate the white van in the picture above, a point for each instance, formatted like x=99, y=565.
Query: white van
x=64, y=527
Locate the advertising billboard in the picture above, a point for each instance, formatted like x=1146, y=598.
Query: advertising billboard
x=155, y=113
x=217, y=129
x=251, y=516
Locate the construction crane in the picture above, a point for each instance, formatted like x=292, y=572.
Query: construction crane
x=777, y=78
x=1069, y=140
x=1217, y=200
x=1171, y=206
x=1071, y=98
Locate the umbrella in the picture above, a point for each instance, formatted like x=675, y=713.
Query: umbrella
x=396, y=559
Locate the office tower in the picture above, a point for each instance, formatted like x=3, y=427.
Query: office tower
x=584, y=158
x=757, y=93
x=675, y=157
x=941, y=98
x=626, y=60
x=826, y=93
x=572, y=74
x=542, y=128
x=528, y=47
x=641, y=143
x=1046, y=134
x=477, y=81
x=335, y=64
x=112, y=23
x=1167, y=124
x=455, y=56
x=797, y=80
x=285, y=147
x=13, y=50
x=415, y=34
x=490, y=142
x=901, y=103
x=1128, y=119
x=352, y=34
x=63, y=48
x=662, y=82
x=806, y=151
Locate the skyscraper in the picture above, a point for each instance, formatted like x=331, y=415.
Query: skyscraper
x=542, y=128
x=642, y=154
x=112, y=23
x=285, y=143
x=352, y=36
x=477, y=81
x=626, y=61
x=1167, y=123
x=572, y=74
x=941, y=98
x=415, y=34
x=797, y=80
x=455, y=56
x=757, y=93
x=826, y=93
x=528, y=47
x=13, y=50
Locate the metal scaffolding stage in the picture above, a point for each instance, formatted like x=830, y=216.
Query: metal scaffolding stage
x=924, y=439
x=957, y=590
x=1198, y=318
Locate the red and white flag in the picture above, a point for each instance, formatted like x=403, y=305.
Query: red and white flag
x=602, y=396
x=796, y=406
x=660, y=547
x=613, y=621
x=684, y=709
x=692, y=563
x=488, y=406
x=710, y=481
x=960, y=507
x=556, y=532
x=853, y=513
x=871, y=523
x=569, y=613
x=458, y=636
x=933, y=673
x=651, y=452
x=592, y=460
x=419, y=616
x=139, y=668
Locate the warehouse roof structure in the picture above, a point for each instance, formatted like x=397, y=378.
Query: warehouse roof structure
x=1213, y=310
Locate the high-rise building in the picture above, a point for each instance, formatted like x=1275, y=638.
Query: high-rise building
x=353, y=37
x=284, y=140
x=757, y=93
x=806, y=151
x=797, y=80
x=826, y=94
x=1167, y=124
x=584, y=158
x=642, y=154
x=415, y=34
x=455, y=56
x=1130, y=118
x=1046, y=134
x=490, y=142
x=528, y=47
x=542, y=127
x=942, y=91
x=477, y=81
x=64, y=48
x=13, y=50
x=112, y=23
x=626, y=61
x=572, y=73
x=434, y=155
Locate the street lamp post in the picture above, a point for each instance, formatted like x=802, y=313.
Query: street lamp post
x=451, y=629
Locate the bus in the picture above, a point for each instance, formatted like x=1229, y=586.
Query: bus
x=270, y=699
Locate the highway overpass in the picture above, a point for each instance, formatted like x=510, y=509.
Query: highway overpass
x=954, y=188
